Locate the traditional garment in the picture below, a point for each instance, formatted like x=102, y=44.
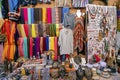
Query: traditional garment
x=57, y=15
x=9, y=46
x=66, y=41
x=80, y=3
x=69, y=20
x=79, y=32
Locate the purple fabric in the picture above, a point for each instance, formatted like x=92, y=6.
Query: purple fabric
x=38, y=46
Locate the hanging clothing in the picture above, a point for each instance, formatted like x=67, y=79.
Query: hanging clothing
x=9, y=46
x=69, y=19
x=66, y=41
x=64, y=10
x=79, y=32
x=80, y=3
x=13, y=5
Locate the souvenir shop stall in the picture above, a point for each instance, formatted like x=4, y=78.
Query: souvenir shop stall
x=59, y=40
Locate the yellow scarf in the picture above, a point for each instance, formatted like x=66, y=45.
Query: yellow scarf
x=51, y=43
x=44, y=15
x=33, y=31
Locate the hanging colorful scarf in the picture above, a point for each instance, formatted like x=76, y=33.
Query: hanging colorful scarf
x=51, y=43
x=44, y=15
x=49, y=15
x=41, y=44
x=34, y=47
x=44, y=43
x=56, y=48
x=26, y=29
x=38, y=46
x=30, y=30
x=40, y=30
x=29, y=16
x=57, y=30
x=25, y=15
x=20, y=47
x=57, y=15
x=31, y=48
x=53, y=16
x=32, y=15
x=22, y=30
x=22, y=16
x=33, y=31
x=25, y=48
x=47, y=43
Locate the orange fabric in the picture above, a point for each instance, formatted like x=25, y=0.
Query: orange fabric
x=9, y=45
